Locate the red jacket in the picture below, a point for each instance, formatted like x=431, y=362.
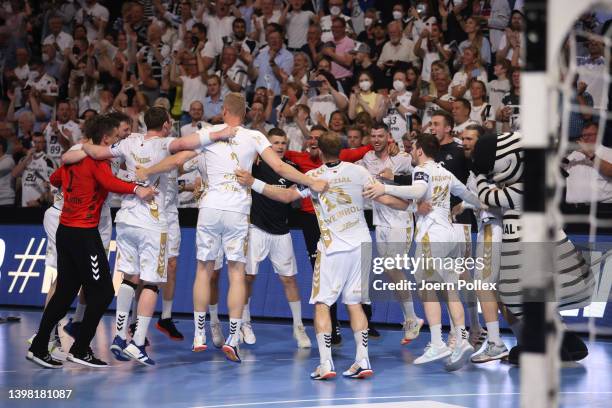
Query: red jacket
x=85, y=186
x=306, y=163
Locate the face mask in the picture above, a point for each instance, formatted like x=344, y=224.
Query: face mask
x=335, y=10
x=399, y=85
x=365, y=85
x=45, y=57
x=367, y=21
x=397, y=15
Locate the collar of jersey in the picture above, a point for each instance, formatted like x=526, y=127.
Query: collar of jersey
x=333, y=164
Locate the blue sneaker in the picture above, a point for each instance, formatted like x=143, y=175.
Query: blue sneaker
x=138, y=353
x=72, y=328
x=117, y=349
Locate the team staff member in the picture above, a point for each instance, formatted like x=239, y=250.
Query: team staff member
x=81, y=255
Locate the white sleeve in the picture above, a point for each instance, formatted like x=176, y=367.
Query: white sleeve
x=413, y=192
x=204, y=135
x=119, y=149
x=305, y=193
x=190, y=165
x=261, y=142
x=78, y=146
x=604, y=153
x=459, y=189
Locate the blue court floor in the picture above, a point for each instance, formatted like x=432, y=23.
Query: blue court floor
x=275, y=374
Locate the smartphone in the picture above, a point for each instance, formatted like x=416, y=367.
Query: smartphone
x=315, y=84
x=408, y=122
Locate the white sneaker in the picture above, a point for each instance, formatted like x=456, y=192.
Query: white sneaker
x=460, y=356
x=452, y=340
x=490, y=352
x=217, y=334
x=247, y=333
x=299, y=333
x=361, y=369
x=324, y=371
x=433, y=353
x=412, y=327
x=199, y=343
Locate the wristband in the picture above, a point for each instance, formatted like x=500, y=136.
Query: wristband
x=204, y=137
x=258, y=186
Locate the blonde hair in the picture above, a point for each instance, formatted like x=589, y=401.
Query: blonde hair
x=235, y=104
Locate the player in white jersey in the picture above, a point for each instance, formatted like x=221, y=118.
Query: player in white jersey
x=342, y=259
x=432, y=182
x=490, y=229
x=61, y=133
x=142, y=227
x=393, y=228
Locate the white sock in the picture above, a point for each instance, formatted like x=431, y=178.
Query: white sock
x=79, y=313
x=166, y=309
x=246, y=312
x=461, y=333
x=408, y=310
x=493, y=332
x=517, y=329
x=199, y=318
x=324, y=343
x=134, y=311
x=142, y=325
x=296, y=312
x=233, y=337
x=124, y=301
x=361, y=340
x=214, y=314
x=436, y=334
x=452, y=325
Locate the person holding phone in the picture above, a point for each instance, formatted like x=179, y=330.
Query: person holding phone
x=327, y=100
x=471, y=68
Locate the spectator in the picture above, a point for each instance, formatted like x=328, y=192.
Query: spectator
x=476, y=39
x=196, y=113
x=51, y=63
x=297, y=22
x=239, y=36
x=232, y=71
x=34, y=170
x=301, y=68
x=430, y=48
x=314, y=45
x=338, y=123
x=461, y=116
x=58, y=38
x=256, y=119
x=399, y=103
x=297, y=129
x=480, y=111
x=377, y=44
x=213, y=103
x=512, y=41
x=500, y=86
x=364, y=121
x=593, y=69
x=498, y=21
x=61, y=133
x=259, y=23
x=93, y=16
x=7, y=192
x=367, y=35
x=272, y=64
x=509, y=112
x=364, y=99
x=397, y=49
x=137, y=23
x=152, y=59
x=584, y=183
x=326, y=22
x=471, y=69
x=578, y=117
x=363, y=62
x=326, y=100
x=220, y=23
x=438, y=97
x=190, y=76
x=354, y=136
x=342, y=61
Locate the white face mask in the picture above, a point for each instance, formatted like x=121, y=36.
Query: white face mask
x=398, y=85
x=397, y=15
x=368, y=21
x=365, y=85
x=335, y=10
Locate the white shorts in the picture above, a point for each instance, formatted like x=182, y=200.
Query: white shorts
x=106, y=227
x=435, y=246
x=50, y=224
x=341, y=273
x=222, y=230
x=174, y=235
x=278, y=247
x=142, y=252
x=463, y=237
x=488, y=249
x=391, y=241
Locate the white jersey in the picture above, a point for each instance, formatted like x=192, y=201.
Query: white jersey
x=172, y=194
x=340, y=209
x=54, y=148
x=400, y=164
x=35, y=178
x=397, y=121
x=186, y=199
x=440, y=183
x=138, y=151
x=222, y=159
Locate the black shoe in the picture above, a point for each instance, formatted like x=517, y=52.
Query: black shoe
x=43, y=359
x=86, y=358
x=373, y=333
x=132, y=330
x=514, y=355
x=336, y=339
x=573, y=348
x=167, y=327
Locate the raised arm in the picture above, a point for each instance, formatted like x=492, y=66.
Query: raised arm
x=201, y=138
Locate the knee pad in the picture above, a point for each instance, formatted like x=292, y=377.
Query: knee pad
x=153, y=288
x=130, y=284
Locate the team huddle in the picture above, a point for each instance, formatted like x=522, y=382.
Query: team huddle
x=248, y=183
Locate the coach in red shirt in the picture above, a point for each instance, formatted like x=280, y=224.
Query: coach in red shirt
x=81, y=257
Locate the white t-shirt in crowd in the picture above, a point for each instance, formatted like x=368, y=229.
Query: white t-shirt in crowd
x=190, y=128
x=85, y=16
x=194, y=89
x=584, y=183
x=35, y=178
x=54, y=148
x=297, y=27
x=7, y=192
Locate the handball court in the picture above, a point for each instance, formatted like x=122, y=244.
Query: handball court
x=274, y=373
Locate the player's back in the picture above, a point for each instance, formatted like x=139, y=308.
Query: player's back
x=222, y=159
x=138, y=151
x=340, y=209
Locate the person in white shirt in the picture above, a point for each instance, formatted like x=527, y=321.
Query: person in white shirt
x=399, y=105
x=142, y=227
x=512, y=41
x=335, y=10
x=435, y=240
x=499, y=87
x=584, y=184
x=219, y=25
x=471, y=69
x=393, y=228
x=338, y=269
x=268, y=15
x=461, y=115
x=196, y=112
x=58, y=38
x=7, y=192
x=61, y=133
x=192, y=79
x=93, y=16
x=297, y=22
x=481, y=112
x=398, y=48
x=593, y=69
x=34, y=169
x=232, y=71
